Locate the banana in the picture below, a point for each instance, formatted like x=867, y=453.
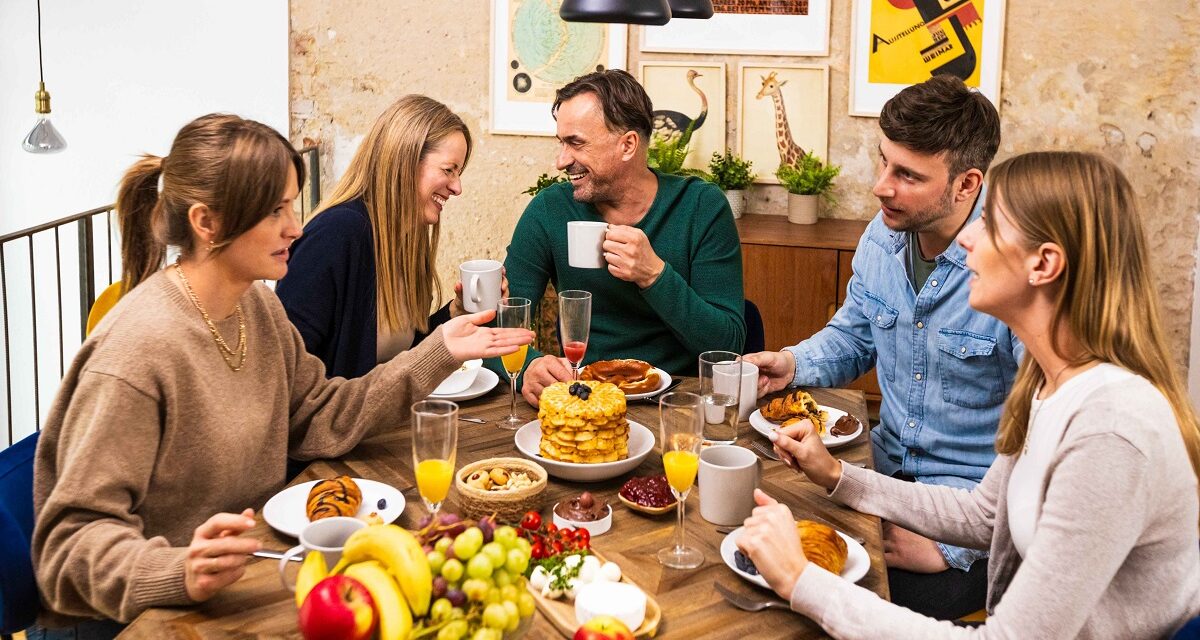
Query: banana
x=400, y=554
x=395, y=620
x=312, y=571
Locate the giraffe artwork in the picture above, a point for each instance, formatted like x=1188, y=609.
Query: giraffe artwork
x=789, y=151
x=783, y=114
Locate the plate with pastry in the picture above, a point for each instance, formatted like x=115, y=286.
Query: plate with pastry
x=291, y=509
x=838, y=554
x=637, y=378
x=835, y=426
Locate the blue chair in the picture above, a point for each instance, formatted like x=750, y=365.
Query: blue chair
x=1190, y=631
x=19, y=604
x=756, y=337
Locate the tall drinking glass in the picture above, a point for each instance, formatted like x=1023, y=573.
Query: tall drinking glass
x=574, y=323
x=434, y=442
x=720, y=386
x=513, y=313
x=681, y=419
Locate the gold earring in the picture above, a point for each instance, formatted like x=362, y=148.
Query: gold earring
x=212, y=245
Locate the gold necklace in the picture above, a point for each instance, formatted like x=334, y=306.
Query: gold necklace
x=229, y=355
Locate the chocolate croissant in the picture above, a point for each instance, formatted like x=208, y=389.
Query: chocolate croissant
x=822, y=546
x=794, y=407
x=339, y=496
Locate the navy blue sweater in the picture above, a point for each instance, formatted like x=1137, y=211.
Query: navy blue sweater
x=329, y=290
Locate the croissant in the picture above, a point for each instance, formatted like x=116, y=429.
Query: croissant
x=630, y=375
x=339, y=496
x=822, y=546
x=794, y=407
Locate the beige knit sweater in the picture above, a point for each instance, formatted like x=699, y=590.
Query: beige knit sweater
x=151, y=434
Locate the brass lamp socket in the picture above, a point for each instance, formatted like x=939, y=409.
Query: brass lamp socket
x=41, y=99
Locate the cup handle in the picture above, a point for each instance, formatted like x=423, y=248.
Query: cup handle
x=284, y=562
x=474, y=289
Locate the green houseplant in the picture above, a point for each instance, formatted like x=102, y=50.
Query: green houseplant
x=543, y=181
x=807, y=180
x=733, y=175
x=667, y=154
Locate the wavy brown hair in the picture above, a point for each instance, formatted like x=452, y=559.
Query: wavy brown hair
x=1108, y=302
x=384, y=173
x=236, y=167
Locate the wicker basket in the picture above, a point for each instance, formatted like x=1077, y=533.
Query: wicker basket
x=508, y=506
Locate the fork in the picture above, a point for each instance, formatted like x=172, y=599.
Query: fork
x=767, y=453
x=746, y=603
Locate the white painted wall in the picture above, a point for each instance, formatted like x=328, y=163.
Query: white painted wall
x=124, y=77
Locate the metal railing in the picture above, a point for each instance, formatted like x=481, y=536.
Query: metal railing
x=24, y=297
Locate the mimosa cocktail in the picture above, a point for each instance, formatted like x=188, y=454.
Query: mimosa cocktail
x=513, y=313
x=434, y=444
x=682, y=430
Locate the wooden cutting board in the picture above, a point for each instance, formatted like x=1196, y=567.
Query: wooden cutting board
x=561, y=612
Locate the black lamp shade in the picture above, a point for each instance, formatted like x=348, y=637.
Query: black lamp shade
x=702, y=9
x=656, y=12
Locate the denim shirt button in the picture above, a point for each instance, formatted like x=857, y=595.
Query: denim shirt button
x=911, y=424
x=933, y=283
x=920, y=325
x=918, y=376
x=878, y=318
x=962, y=350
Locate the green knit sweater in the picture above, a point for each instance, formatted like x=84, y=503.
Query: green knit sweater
x=696, y=305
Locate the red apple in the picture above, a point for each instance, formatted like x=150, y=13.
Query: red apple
x=338, y=608
x=603, y=628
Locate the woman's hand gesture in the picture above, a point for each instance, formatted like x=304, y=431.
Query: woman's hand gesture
x=466, y=337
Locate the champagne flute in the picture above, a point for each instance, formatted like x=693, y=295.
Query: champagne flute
x=574, y=323
x=720, y=386
x=434, y=443
x=513, y=313
x=681, y=419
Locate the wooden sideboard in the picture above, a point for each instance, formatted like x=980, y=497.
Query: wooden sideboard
x=797, y=275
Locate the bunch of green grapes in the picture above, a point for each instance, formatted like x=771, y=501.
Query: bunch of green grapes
x=479, y=587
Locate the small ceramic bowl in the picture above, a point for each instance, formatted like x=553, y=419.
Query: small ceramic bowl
x=595, y=527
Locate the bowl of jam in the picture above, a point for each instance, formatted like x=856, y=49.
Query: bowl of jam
x=648, y=494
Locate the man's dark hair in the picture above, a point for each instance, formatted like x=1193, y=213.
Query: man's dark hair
x=943, y=114
x=625, y=103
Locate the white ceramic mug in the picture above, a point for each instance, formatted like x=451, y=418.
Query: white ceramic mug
x=585, y=244
x=481, y=284
x=723, y=383
x=327, y=535
x=728, y=477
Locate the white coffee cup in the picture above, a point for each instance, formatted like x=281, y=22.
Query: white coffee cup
x=481, y=284
x=723, y=375
x=327, y=535
x=585, y=244
x=728, y=477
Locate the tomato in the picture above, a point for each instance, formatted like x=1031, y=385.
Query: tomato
x=532, y=521
x=584, y=538
x=567, y=535
x=551, y=529
x=538, y=551
x=557, y=545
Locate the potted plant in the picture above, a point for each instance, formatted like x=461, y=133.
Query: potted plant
x=543, y=181
x=806, y=181
x=667, y=154
x=733, y=175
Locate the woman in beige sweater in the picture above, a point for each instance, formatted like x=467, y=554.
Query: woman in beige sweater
x=189, y=396
x=1090, y=510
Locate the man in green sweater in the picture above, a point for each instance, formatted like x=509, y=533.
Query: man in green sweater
x=673, y=283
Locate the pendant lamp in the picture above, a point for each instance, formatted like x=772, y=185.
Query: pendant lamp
x=701, y=9
x=43, y=138
x=655, y=12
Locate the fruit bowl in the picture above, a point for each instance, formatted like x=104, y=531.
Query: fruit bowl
x=508, y=504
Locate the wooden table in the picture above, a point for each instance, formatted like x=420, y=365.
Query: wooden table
x=258, y=606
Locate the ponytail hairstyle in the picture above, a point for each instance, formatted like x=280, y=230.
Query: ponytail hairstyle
x=238, y=168
x=384, y=173
x=1084, y=204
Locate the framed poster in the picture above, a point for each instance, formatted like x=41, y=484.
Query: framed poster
x=534, y=53
x=688, y=95
x=783, y=110
x=897, y=44
x=766, y=27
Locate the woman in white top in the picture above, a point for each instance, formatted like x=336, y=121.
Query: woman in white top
x=1091, y=508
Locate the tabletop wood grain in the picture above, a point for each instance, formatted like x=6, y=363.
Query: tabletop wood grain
x=258, y=606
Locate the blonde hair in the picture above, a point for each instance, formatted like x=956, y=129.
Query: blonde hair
x=1085, y=205
x=384, y=173
x=236, y=167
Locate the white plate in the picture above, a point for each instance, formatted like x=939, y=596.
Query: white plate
x=460, y=380
x=485, y=381
x=665, y=381
x=857, y=560
x=286, y=511
x=764, y=426
x=641, y=442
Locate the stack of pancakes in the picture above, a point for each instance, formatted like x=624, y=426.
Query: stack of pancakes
x=585, y=431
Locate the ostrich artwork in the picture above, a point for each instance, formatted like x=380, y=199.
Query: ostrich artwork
x=671, y=124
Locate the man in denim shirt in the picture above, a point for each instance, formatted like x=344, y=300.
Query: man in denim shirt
x=944, y=369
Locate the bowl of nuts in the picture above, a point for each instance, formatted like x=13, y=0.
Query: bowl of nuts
x=507, y=487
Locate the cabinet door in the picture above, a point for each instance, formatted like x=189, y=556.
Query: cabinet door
x=793, y=287
x=868, y=383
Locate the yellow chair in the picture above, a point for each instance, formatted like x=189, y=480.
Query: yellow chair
x=103, y=304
